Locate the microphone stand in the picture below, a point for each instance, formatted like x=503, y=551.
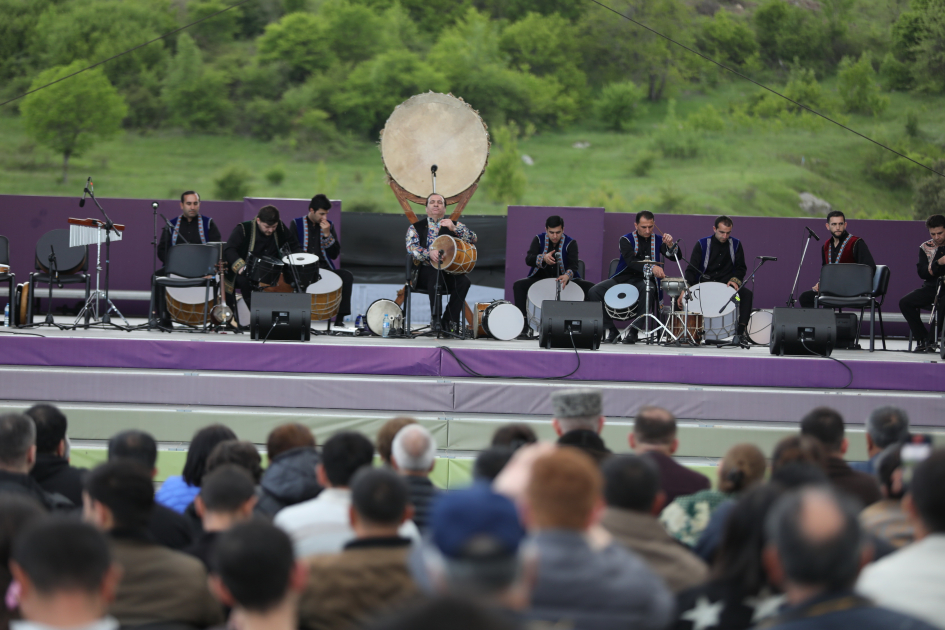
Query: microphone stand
x=791, y=301
x=687, y=297
x=108, y=226
x=154, y=239
x=297, y=283
x=742, y=343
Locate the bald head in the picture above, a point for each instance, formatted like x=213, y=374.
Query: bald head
x=654, y=428
x=414, y=449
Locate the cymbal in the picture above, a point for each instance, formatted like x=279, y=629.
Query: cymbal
x=647, y=261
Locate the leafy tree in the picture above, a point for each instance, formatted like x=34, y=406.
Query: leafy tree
x=619, y=104
x=517, y=9
x=232, y=183
x=785, y=31
x=728, y=40
x=297, y=41
x=69, y=116
x=219, y=29
x=196, y=98
x=858, y=87
x=352, y=31
x=929, y=50
x=545, y=45
x=894, y=74
x=505, y=180
x=17, y=30
x=930, y=194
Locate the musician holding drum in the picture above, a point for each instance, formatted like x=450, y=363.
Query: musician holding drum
x=419, y=236
x=316, y=235
x=257, y=239
x=931, y=269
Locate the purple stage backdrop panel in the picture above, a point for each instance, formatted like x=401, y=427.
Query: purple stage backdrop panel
x=892, y=243
x=585, y=225
x=290, y=209
x=26, y=218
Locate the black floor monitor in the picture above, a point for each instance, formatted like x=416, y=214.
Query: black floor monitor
x=282, y=316
x=585, y=320
x=803, y=331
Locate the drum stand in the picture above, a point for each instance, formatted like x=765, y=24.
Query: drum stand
x=436, y=316
x=684, y=328
x=647, y=275
x=92, y=304
x=742, y=343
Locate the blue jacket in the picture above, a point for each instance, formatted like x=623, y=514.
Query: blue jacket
x=176, y=493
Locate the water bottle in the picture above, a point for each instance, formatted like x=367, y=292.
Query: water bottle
x=6, y=315
x=386, y=332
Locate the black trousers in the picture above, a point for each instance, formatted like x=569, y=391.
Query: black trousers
x=807, y=299
x=456, y=285
x=347, y=282
x=521, y=287
x=597, y=292
x=911, y=304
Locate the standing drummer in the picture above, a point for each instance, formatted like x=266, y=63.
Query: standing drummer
x=419, y=236
x=552, y=254
x=265, y=235
x=316, y=235
x=635, y=247
x=720, y=258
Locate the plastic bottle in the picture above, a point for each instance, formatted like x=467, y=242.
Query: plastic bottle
x=386, y=332
x=6, y=315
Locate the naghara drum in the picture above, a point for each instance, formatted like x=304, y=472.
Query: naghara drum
x=673, y=286
x=459, y=257
x=305, y=267
x=499, y=319
x=185, y=305
x=546, y=289
x=264, y=271
x=686, y=327
x=326, y=295
x=621, y=300
x=708, y=298
x=375, y=316
x=759, y=327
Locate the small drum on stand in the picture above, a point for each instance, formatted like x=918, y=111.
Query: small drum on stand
x=375, y=317
x=305, y=267
x=710, y=297
x=264, y=271
x=673, y=286
x=759, y=327
x=547, y=289
x=499, y=319
x=459, y=257
x=686, y=327
x=621, y=301
x=326, y=295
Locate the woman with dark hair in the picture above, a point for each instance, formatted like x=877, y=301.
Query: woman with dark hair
x=179, y=490
x=514, y=436
x=738, y=594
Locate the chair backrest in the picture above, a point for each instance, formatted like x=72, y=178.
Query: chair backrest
x=847, y=280
x=613, y=267
x=192, y=261
x=4, y=250
x=581, y=270
x=880, y=280
x=69, y=260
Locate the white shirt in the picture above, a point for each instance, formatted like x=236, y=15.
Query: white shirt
x=321, y=525
x=105, y=623
x=911, y=580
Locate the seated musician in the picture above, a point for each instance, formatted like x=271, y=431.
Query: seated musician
x=931, y=268
x=634, y=247
x=419, y=236
x=265, y=235
x=190, y=227
x=720, y=258
x=552, y=254
x=843, y=248
x=316, y=235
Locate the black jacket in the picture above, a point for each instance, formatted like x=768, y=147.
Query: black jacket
x=55, y=475
x=24, y=484
x=290, y=479
x=169, y=528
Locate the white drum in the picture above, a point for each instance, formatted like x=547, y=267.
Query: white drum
x=620, y=301
x=708, y=298
x=242, y=310
x=305, y=267
x=326, y=295
x=545, y=290
x=375, y=316
x=759, y=327
x=502, y=320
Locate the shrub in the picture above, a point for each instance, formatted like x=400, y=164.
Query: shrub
x=619, y=104
x=505, y=180
x=642, y=166
x=706, y=119
x=930, y=194
x=912, y=124
x=858, y=88
x=895, y=75
x=275, y=175
x=232, y=183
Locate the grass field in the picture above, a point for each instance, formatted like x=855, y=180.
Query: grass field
x=740, y=172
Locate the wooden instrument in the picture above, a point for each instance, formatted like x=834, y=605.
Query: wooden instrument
x=459, y=257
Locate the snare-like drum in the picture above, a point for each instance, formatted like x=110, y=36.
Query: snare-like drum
x=620, y=301
x=459, y=257
x=264, y=271
x=686, y=327
x=375, y=316
x=326, y=295
x=708, y=298
x=185, y=305
x=673, y=286
x=759, y=327
x=499, y=319
x=545, y=290
x=305, y=267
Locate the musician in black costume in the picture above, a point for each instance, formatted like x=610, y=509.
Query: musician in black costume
x=843, y=248
x=638, y=245
x=720, y=258
x=265, y=235
x=419, y=236
x=931, y=268
x=316, y=235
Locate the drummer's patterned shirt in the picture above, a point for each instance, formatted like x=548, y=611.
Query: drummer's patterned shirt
x=422, y=254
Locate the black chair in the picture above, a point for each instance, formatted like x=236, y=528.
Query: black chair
x=409, y=289
x=196, y=266
x=849, y=286
x=71, y=262
x=9, y=278
x=613, y=267
x=580, y=269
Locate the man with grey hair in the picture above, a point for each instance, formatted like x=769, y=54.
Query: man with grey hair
x=815, y=551
x=17, y=457
x=886, y=426
x=413, y=455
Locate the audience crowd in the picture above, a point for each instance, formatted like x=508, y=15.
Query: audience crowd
x=565, y=534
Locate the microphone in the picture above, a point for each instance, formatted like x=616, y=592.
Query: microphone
x=811, y=232
x=154, y=205
x=766, y=258
x=85, y=192
x=433, y=169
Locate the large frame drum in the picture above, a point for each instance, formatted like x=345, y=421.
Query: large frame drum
x=707, y=299
x=546, y=289
x=326, y=295
x=185, y=304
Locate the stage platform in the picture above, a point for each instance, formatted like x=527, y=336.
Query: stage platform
x=174, y=383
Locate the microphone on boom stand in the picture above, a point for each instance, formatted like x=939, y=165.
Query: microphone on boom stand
x=811, y=232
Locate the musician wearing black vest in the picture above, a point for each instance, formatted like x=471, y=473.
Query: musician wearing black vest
x=419, y=236
x=931, y=268
x=721, y=258
x=636, y=246
x=190, y=227
x=265, y=235
x=316, y=235
x=843, y=248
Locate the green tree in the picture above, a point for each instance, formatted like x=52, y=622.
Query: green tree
x=196, y=98
x=929, y=50
x=619, y=104
x=786, y=32
x=858, y=88
x=17, y=31
x=219, y=29
x=298, y=41
x=728, y=40
x=546, y=46
x=517, y=9
x=353, y=32
x=70, y=116
x=505, y=179
x=930, y=194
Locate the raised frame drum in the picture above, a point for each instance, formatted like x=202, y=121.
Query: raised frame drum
x=621, y=301
x=375, y=316
x=759, y=327
x=502, y=320
x=459, y=257
x=545, y=289
x=185, y=304
x=306, y=266
x=326, y=295
x=707, y=299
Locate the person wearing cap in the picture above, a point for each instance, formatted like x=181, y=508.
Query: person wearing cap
x=578, y=420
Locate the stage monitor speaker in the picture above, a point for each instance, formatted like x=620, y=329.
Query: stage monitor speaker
x=847, y=324
x=283, y=316
x=794, y=328
x=584, y=319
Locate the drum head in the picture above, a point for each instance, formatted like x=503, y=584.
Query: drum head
x=504, y=321
x=621, y=296
x=708, y=298
x=439, y=129
x=377, y=310
x=300, y=259
x=759, y=327
x=189, y=295
x=329, y=281
x=448, y=245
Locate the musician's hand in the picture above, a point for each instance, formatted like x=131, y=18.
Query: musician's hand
x=549, y=258
x=564, y=279
x=679, y=301
x=242, y=269
x=732, y=284
x=449, y=225
x=326, y=227
x=941, y=260
x=817, y=288
x=658, y=271
x=668, y=240
x=434, y=256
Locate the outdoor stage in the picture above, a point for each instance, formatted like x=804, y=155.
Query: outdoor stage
x=173, y=384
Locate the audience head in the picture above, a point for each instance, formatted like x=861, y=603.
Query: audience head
x=889, y=472
x=385, y=437
x=286, y=437
x=814, y=541
x=201, y=445
x=342, y=455
x=453, y=612
x=587, y=441
x=228, y=491
x=564, y=491
x=64, y=565
x=380, y=501
x=654, y=428
x=51, y=426
x=513, y=436
x=134, y=445
x=240, y=453
x=887, y=426
x=118, y=495
x=578, y=408
x=743, y=466
x=253, y=568
x=490, y=462
x=926, y=499
x=413, y=450
x=826, y=425
x=17, y=443
x=632, y=482
x=798, y=449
